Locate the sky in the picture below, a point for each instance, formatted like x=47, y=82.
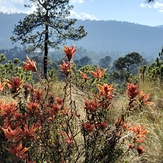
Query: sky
x=134, y=11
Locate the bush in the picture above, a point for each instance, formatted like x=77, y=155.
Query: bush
x=40, y=127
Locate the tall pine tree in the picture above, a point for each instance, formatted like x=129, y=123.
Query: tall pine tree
x=47, y=27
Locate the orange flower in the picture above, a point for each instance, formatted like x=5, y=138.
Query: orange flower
x=69, y=51
x=132, y=90
x=139, y=133
x=18, y=151
x=12, y=135
x=106, y=90
x=14, y=84
x=29, y=65
x=140, y=149
x=84, y=76
x=2, y=85
x=144, y=98
x=66, y=68
x=98, y=74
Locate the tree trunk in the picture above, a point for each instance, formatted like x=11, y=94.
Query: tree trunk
x=46, y=46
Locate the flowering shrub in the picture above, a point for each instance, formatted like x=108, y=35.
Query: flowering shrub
x=39, y=127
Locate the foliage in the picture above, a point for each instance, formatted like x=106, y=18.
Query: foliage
x=124, y=68
x=105, y=62
x=154, y=71
x=12, y=69
x=40, y=127
x=48, y=26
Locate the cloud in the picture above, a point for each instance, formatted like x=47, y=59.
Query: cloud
x=159, y=6
x=15, y=6
x=77, y=1
x=156, y=5
x=145, y=5
x=83, y=16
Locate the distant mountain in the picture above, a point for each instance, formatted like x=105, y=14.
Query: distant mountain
x=123, y=37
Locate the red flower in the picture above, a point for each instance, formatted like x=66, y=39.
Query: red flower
x=88, y=127
x=119, y=122
x=8, y=110
x=29, y=65
x=132, y=90
x=144, y=98
x=69, y=51
x=12, y=135
x=140, y=149
x=14, y=84
x=91, y=105
x=98, y=74
x=18, y=151
x=55, y=109
x=33, y=108
x=38, y=95
x=66, y=68
x=101, y=125
x=28, y=132
x=84, y=76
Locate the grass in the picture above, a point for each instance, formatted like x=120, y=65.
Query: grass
x=151, y=117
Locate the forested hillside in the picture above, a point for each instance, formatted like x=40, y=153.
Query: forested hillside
x=112, y=36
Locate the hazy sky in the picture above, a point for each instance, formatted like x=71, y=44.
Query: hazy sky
x=136, y=11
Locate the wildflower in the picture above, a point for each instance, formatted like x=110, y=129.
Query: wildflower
x=12, y=135
x=101, y=125
x=69, y=51
x=140, y=149
x=106, y=90
x=98, y=74
x=14, y=84
x=91, y=105
x=132, y=90
x=38, y=95
x=33, y=108
x=84, y=76
x=125, y=126
x=88, y=127
x=18, y=151
x=119, y=122
x=55, y=109
x=2, y=85
x=8, y=110
x=29, y=65
x=59, y=101
x=139, y=133
x=66, y=68
x=144, y=98
x=28, y=132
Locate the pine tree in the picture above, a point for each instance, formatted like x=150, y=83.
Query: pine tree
x=47, y=27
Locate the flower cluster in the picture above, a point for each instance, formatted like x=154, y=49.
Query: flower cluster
x=133, y=92
x=139, y=135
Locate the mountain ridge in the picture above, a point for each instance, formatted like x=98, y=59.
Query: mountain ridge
x=111, y=35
